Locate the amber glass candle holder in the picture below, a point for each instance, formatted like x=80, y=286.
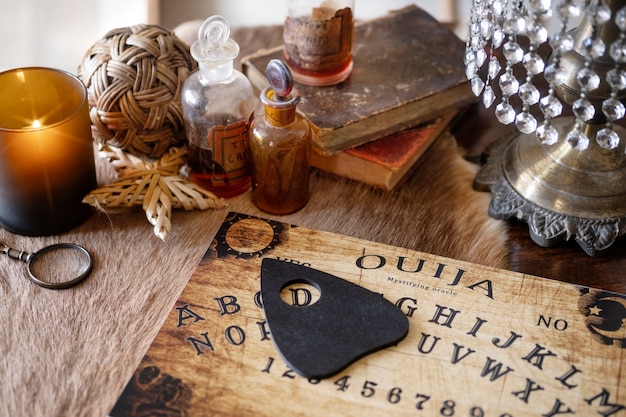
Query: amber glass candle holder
x=46, y=152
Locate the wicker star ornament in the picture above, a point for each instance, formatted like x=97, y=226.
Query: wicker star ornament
x=156, y=186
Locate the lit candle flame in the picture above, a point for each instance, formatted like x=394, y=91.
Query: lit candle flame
x=36, y=123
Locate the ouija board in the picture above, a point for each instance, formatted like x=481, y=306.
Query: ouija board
x=481, y=341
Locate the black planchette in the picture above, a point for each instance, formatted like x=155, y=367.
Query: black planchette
x=346, y=323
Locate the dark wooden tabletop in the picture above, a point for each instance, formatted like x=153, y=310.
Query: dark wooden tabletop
x=566, y=261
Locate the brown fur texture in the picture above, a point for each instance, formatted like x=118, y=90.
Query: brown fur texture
x=71, y=352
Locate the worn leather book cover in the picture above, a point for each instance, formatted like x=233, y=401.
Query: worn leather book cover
x=481, y=341
x=385, y=162
x=408, y=68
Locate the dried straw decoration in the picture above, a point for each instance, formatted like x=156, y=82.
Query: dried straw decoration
x=156, y=186
x=134, y=76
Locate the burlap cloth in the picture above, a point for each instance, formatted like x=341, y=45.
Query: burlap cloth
x=71, y=352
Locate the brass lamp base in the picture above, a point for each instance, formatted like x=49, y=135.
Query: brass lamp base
x=559, y=191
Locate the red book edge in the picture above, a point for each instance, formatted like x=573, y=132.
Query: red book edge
x=396, y=149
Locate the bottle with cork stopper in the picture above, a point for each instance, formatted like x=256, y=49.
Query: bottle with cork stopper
x=280, y=143
x=218, y=106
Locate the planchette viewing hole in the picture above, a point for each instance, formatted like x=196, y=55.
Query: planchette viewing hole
x=300, y=293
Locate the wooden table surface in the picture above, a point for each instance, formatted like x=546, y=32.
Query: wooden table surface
x=566, y=261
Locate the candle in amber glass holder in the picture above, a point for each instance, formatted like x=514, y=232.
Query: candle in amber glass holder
x=46, y=152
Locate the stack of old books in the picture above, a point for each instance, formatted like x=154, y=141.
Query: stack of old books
x=407, y=86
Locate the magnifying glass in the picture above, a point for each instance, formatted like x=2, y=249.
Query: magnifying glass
x=57, y=266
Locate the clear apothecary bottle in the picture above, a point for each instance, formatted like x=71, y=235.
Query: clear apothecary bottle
x=280, y=143
x=218, y=106
x=318, y=39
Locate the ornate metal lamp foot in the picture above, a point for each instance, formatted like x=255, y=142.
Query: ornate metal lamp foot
x=594, y=233
x=575, y=187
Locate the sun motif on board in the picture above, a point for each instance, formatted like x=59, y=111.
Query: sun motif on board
x=246, y=237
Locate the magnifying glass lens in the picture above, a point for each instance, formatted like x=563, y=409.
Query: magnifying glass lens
x=60, y=266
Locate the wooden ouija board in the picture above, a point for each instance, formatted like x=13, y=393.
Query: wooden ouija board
x=481, y=341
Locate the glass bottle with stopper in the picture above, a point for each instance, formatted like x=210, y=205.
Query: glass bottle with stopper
x=281, y=147
x=218, y=106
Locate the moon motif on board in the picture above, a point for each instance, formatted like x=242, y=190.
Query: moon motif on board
x=605, y=316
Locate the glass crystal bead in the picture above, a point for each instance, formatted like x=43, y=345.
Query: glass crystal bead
x=617, y=50
x=497, y=8
x=554, y=75
x=514, y=24
x=568, y=11
x=488, y=97
x=547, y=134
x=537, y=33
x=476, y=41
x=583, y=109
x=588, y=79
x=513, y=52
x=616, y=79
x=529, y=93
x=508, y=84
x=533, y=63
x=494, y=67
x=599, y=13
x=620, y=19
x=562, y=42
x=613, y=109
x=497, y=37
x=541, y=6
x=477, y=86
x=594, y=47
x=607, y=138
x=526, y=123
x=505, y=113
x=469, y=56
x=480, y=57
x=551, y=107
x=578, y=140
x=471, y=69
x=474, y=29
x=485, y=28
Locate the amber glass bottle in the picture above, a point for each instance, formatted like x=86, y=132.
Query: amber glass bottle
x=280, y=143
x=318, y=40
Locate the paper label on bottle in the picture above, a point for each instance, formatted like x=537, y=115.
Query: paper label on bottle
x=319, y=45
x=231, y=151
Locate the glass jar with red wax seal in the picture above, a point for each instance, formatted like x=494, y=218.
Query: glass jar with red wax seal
x=318, y=39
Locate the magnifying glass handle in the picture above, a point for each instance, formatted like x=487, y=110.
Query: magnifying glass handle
x=13, y=253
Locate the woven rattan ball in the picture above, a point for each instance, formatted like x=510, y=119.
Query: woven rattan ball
x=134, y=76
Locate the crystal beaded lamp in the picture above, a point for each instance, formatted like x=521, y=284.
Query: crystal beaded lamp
x=564, y=170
